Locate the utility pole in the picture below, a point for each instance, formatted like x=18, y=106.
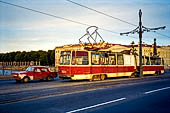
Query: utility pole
x=141, y=29
x=140, y=44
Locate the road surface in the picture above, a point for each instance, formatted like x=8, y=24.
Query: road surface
x=121, y=95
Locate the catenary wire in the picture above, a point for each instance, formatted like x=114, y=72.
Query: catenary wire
x=37, y=11
x=110, y=16
x=101, y=12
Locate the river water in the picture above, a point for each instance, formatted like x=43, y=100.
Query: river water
x=6, y=72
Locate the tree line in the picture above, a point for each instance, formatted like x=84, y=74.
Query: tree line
x=45, y=57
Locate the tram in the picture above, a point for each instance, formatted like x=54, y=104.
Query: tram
x=98, y=61
x=97, y=65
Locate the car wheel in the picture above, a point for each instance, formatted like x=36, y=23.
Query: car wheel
x=49, y=78
x=26, y=79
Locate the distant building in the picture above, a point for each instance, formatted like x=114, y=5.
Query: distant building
x=161, y=51
x=164, y=51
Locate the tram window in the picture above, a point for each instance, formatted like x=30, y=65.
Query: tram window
x=65, y=58
x=162, y=61
x=143, y=60
x=120, y=59
x=112, y=59
x=158, y=61
x=147, y=60
x=95, y=58
x=80, y=58
x=153, y=61
x=104, y=59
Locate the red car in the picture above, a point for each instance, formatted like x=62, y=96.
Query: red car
x=34, y=73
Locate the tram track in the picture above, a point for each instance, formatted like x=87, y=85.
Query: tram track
x=69, y=88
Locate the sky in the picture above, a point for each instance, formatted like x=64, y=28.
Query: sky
x=24, y=30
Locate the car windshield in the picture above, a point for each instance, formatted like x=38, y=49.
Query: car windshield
x=29, y=69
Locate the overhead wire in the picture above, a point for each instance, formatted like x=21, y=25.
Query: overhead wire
x=66, y=19
x=44, y=13
x=100, y=12
x=162, y=34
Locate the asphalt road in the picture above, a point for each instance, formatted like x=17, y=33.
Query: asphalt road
x=124, y=95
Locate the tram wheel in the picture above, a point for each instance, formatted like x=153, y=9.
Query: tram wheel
x=91, y=79
x=102, y=77
x=157, y=73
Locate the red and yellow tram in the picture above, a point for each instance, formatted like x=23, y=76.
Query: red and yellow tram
x=78, y=63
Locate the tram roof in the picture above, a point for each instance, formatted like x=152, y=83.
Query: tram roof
x=104, y=47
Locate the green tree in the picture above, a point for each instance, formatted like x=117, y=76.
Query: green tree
x=52, y=57
x=12, y=56
x=18, y=56
x=1, y=57
x=44, y=58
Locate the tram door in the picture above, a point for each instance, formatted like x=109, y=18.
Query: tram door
x=104, y=62
x=95, y=63
x=112, y=68
x=120, y=62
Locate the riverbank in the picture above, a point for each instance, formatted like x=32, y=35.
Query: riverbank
x=14, y=68
x=6, y=77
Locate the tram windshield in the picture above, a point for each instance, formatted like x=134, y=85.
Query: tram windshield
x=65, y=57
